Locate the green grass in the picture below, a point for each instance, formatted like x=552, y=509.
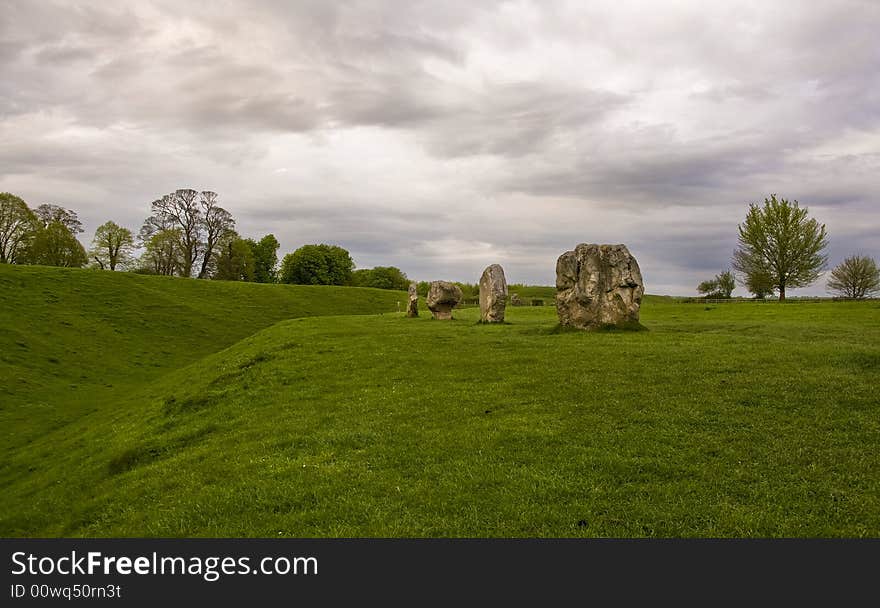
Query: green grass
x=724, y=420
x=528, y=292
x=74, y=341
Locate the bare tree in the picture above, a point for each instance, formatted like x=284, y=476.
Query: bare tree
x=856, y=277
x=47, y=214
x=181, y=210
x=218, y=223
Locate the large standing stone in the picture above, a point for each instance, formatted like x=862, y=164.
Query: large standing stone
x=442, y=298
x=598, y=286
x=493, y=294
x=412, y=307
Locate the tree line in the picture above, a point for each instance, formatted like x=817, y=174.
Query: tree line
x=780, y=247
x=187, y=234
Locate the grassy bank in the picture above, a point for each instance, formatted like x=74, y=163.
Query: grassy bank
x=746, y=420
x=74, y=341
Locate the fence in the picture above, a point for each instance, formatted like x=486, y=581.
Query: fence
x=473, y=302
x=772, y=300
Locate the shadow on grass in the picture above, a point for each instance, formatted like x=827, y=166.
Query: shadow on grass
x=628, y=327
x=150, y=452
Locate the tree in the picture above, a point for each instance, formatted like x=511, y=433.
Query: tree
x=721, y=287
x=54, y=245
x=162, y=252
x=47, y=214
x=381, y=277
x=17, y=224
x=469, y=290
x=779, y=240
x=234, y=260
x=317, y=265
x=219, y=225
x=726, y=283
x=708, y=288
x=181, y=210
x=759, y=283
x=199, y=223
x=856, y=277
x=265, y=253
x=112, y=245
x=161, y=242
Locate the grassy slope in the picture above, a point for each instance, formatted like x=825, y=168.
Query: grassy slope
x=72, y=341
x=734, y=420
x=527, y=292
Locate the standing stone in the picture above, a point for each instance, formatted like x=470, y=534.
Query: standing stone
x=412, y=307
x=442, y=298
x=514, y=300
x=598, y=286
x=493, y=295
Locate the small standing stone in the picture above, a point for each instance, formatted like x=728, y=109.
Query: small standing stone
x=412, y=307
x=598, y=286
x=514, y=300
x=442, y=298
x=493, y=294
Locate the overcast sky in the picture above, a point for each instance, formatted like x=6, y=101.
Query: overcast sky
x=441, y=137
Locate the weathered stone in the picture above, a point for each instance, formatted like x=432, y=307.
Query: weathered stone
x=412, y=307
x=514, y=300
x=493, y=294
x=598, y=286
x=442, y=298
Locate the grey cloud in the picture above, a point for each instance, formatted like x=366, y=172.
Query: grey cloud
x=668, y=174
x=63, y=53
x=514, y=119
x=505, y=130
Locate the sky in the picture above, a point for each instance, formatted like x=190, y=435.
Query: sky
x=441, y=137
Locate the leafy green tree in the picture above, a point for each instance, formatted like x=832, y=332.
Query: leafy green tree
x=781, y=241
x=760, y=284
x=856, y=277
x=726, y=283
x=54, y=245
x=381, y=277
x=163, y=253
x=112, y=246
x=265, y=254
x=361, y=277
x=17, y=225
x=234, y=260
x=469, y=291
x=721, y=287
x=317, y=265
x=708, y=288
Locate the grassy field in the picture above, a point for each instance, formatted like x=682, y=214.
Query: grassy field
x=723, y=420
x=73, y=341
x=528, y=292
